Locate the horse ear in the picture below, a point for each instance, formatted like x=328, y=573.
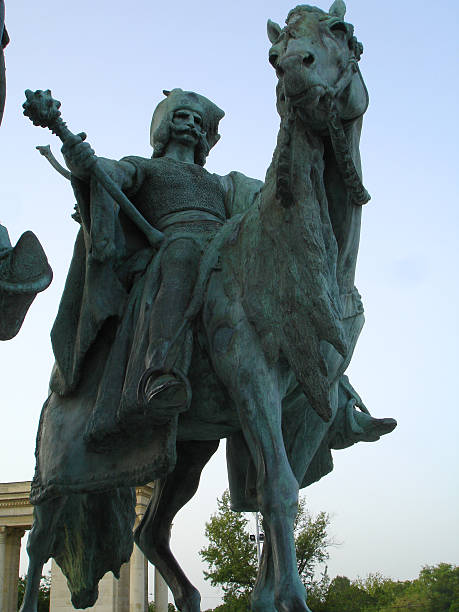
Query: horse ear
x=274, y=31
x=166, y=92
x=338, y=9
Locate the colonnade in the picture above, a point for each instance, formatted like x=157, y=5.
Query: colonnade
x=128, y=594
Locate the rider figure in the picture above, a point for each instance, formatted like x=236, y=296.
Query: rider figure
x=179, y=197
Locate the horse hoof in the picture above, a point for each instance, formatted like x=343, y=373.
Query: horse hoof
x=292, y=605
x=292, y=598
x=263, y=606
x=192, y=603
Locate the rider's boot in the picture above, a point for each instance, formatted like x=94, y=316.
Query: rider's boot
x=164, y=390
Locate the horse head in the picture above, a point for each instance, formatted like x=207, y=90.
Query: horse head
x=316, y=61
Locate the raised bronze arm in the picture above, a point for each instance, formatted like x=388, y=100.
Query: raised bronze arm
x=43, y=110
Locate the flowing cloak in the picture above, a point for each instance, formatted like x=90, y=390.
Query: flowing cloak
x=99, y=341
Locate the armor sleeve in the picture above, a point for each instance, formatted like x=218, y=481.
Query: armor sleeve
x=135, y=170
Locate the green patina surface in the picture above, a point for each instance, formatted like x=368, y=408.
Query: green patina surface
x=200, y=307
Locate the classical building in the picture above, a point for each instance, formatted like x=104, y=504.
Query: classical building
x=128, y=594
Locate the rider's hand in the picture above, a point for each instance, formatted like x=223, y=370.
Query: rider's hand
x=79, y=156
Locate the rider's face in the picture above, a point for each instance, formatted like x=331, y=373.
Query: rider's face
x=186, y=126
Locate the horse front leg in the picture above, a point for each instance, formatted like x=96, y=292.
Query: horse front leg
x=277, y=491
x=263, y=591
x=256, y=389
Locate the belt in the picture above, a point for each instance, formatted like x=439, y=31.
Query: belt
x=187, y=216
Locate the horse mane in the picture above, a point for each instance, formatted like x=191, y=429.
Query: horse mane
x=303, y=259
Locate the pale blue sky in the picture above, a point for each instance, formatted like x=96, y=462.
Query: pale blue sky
x=394, y=503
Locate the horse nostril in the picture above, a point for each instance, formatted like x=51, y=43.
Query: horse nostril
x=280, y=71
x=308, y=59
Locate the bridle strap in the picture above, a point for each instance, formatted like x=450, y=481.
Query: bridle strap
x=357, y=192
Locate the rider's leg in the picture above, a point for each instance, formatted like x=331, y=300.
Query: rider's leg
x=166, y=393
x=179, y=269
x=170, y=495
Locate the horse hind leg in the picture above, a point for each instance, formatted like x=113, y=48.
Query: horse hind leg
x=40, y=548
x=153, y=533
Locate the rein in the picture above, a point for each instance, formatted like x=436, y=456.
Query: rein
x=352, y=181
x=357, y=192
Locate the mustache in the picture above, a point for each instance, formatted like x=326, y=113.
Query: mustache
x=186, y=130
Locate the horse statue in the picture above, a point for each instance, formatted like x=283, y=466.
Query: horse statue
x=276, y=317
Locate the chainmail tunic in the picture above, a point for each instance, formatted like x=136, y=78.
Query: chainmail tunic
x=163, y=186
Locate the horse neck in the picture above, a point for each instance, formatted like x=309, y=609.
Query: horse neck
x=284, y=257
x=304, y=178
x=288, y=235
x=294, y=195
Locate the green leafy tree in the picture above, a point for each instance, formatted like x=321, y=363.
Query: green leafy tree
x=311, y=542
x=346, y=596
x=232, y=558
x=382, y=591
x=231, y=555
x=170, y=607
x=441, y=584
x=435, y=590
x=43, y=593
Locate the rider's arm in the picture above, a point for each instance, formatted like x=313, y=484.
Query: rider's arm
x=80, y=158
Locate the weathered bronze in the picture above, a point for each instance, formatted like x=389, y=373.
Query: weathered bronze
x=240, y=325
x=24, y=269
x=24, y=272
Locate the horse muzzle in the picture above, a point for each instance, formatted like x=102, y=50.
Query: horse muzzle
x=299, y=79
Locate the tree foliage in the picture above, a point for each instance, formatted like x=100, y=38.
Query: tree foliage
x=170, y=607
x=232, y=558
x=43, y=593
x=435, y=590
x=233, y=566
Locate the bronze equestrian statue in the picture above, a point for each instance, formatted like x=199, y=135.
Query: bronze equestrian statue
x=235, y=318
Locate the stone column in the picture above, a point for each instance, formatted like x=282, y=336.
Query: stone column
x=3, y=586
x=161, y=593
x=123, y=588
x=10, y=550
x=138, y=577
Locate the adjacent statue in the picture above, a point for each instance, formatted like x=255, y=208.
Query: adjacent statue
x=24, y=269
x=200, y=307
